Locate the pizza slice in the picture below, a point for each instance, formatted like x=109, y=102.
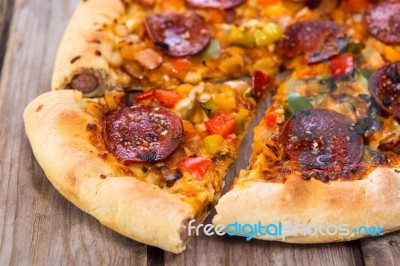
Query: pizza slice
x=148, y=44
x=142, y=166
x=321, y=163
x=325, y=162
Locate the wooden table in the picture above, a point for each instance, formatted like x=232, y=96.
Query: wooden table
x=38, y=226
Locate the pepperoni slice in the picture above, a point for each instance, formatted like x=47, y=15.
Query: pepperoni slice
x=383, y=21
x=222, y=4
x=384, y=86
x=142, y=133
x=178, y=34
x=318, y=39
x=321, y=139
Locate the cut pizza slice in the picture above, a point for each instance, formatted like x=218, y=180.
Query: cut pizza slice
x=145, y=166
x=147, y=44
x=325, y=162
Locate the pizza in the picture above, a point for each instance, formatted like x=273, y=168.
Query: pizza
x=151, y=98
x=143, y=166
x=326, y=152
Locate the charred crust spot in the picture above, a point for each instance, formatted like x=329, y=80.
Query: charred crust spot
x=103, y=176
x=76, y=58
x=95, y=41
x=98, y=53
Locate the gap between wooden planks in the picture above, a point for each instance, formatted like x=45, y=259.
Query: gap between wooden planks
x=39, y=227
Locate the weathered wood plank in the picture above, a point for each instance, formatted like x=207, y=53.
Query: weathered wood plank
x=6, y=11
x=381, y=251
x=37, y=225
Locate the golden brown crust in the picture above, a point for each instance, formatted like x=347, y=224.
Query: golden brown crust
x=55, y=124
x=85, y=48
x=373, y=201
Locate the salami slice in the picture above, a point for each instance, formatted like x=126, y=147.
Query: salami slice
x=178, y=34
x=384, y=86
x=318, y=39
x=222, y=4
x=321, y=139
x=383, y=21
x=142, y=133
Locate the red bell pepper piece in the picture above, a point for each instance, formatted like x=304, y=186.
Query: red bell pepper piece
x=342, y=64
x=222, y=124
x=197, y=166
x=167, y=98
x=145, y=96
x=271, y=117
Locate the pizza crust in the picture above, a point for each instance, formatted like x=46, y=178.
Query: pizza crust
x=85, y=48
x=55, y=124
x=373, y=201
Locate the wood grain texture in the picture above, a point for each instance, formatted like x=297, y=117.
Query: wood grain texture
x=6, y=11
x=381, y=251
x=39, y=227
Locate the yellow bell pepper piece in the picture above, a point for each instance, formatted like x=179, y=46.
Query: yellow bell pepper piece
x=268, y=35
x=226, y=101
x=391, y=54
x=213, y=144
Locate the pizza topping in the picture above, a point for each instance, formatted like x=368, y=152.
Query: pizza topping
x=221, y=4
x=269, y=34
x=384, y=86
x=178, y=34
x=297, y=103
x=271, y=118
x=197, y=166
x=86, y=83
x=148, y=58
x=142, y=133
x=213, y=50
x=145, y=95
x=213, y=144
x=321, y=139
x=171, y=175
x=342, y=64
x=222, y=123
x=318, y=39
x=164, y=97
x=383, y=21
x=167, y=98
x=260, y=83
